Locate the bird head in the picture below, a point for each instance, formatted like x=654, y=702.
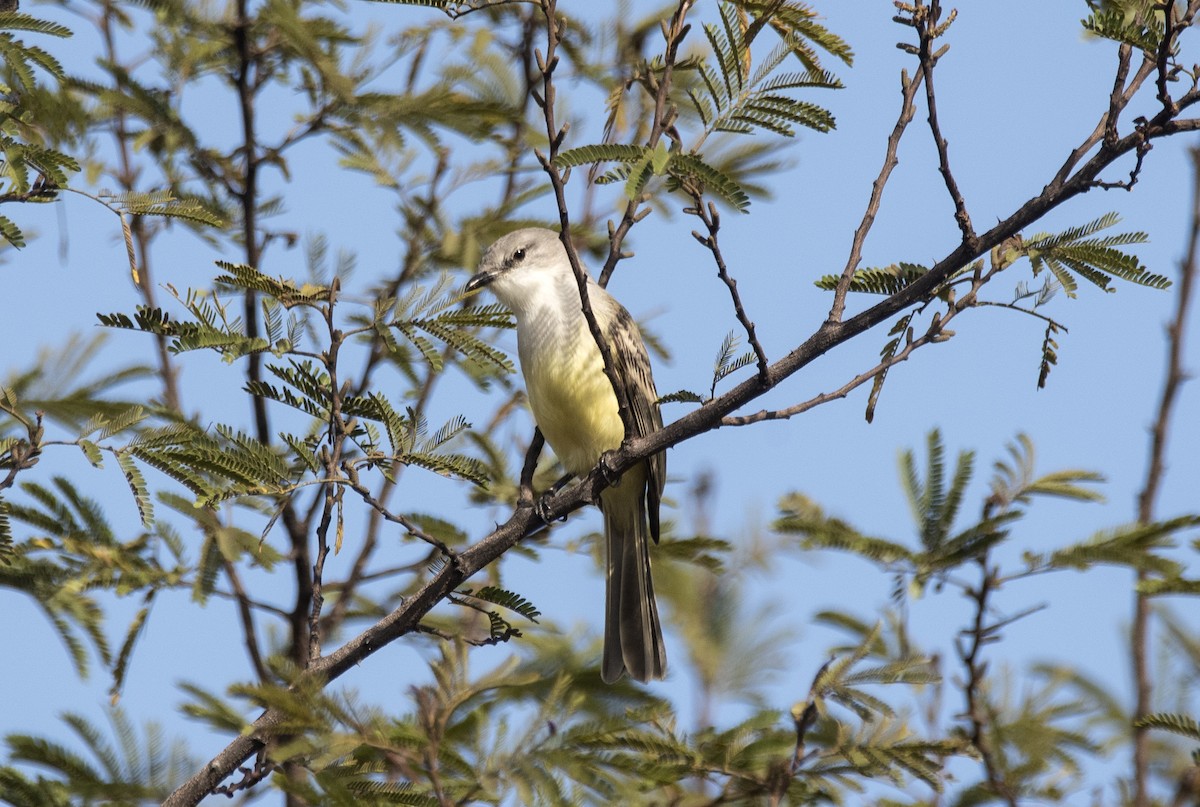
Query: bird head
x=522, y=265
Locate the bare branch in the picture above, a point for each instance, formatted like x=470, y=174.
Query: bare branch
x=1155, y=469
x=979, y=634
x=712, y=222
x=664, y=115
x=908, y=92
x=249, y=633
x=927, y=21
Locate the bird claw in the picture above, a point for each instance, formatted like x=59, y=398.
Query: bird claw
x=541, y=507
x=612, y=476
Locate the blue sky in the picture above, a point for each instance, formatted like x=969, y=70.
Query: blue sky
x=1020, y=87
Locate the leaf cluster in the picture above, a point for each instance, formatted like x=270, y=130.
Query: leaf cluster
x=935, y=500
x=32, y=172
x=1138, y=23
x=122, y=769
x=734, y=97
x=72, y=552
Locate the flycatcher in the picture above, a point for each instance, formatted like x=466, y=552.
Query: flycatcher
x=575, y=407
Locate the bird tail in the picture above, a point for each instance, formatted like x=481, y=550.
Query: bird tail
x=633, y=639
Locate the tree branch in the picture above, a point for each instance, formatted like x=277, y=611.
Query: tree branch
x=556, y=134
x=979, y=634
x=908, y=92
x=712, y=222
x=1173, y=379
x=927, y=21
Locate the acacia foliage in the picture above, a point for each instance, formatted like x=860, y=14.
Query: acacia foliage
x=322, y=488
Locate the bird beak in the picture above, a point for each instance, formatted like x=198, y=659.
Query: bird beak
x=480, y=280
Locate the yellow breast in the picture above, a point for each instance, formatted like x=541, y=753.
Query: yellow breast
x=572, y=399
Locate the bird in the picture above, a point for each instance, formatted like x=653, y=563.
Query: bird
x=575, y=408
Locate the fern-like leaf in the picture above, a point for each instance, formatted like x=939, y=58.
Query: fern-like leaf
x=1049, y=354
x=1143, y=31
x=691, y=170
x=6, y=536
x=598, y=153
x=887, y=281
x=1073, y=254
x=898, y=333
x=506, y=599
x=1179, y=724
x=682, y=396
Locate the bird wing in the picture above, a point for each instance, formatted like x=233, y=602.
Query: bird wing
x=632, y=365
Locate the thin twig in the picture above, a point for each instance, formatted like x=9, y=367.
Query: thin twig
x=127, y=177
x=1116, y=99
x=247, y=63
x=1106, y=128
x=908, y=92
x=1155, y=469
x=556, y=134
x=712, y=222
x=331, y=508
x=1163, y=56
x=929, y=27
x=364, y=492
x=249, y=632
x=979, y=634
x=935, y=333
x=664, y=116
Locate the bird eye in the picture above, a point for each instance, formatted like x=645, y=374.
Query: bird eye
x=519, y=255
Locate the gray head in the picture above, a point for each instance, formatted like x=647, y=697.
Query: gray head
x=524, y=265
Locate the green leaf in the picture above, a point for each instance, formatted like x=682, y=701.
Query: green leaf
x=682, y=396
x=888, y=280
x=898, y=333
x=11, y=233
x=1177, y=723
x=691, y=169
x=137, y=484
x=505, y=599
x=1074, y=254
x=601, y=152
x=6, y=536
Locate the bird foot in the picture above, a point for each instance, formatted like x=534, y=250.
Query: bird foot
x=612, y=477
x=541, y=507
